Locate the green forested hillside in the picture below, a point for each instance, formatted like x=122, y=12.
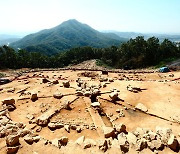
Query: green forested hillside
x=135, y=53
x=69, y=34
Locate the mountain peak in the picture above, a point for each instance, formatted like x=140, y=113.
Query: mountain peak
x=69, y=34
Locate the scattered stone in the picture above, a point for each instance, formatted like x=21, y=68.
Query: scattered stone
x=141, y=144
x=30, y=116
x=103, y=145
x=89, y=143
x=55, y=82
x=36, y=138
x=66, y=105
x=34, y=96
x=120, y=128
x=155, y=144
x=73, y=127
x=95, y=104
x=78, y=129
x=131, y=138
x=67, y=128
x=58, y=95
x=66, y=84
x=124, y=145
x=55, y=125
x=28, y=139
x=108, y=132
x=44, y=80
x=113, y=96
x=55, y=142
x=79, y=93
x=63, y=141
x=118, y=111
x=43, y=119
x=80, y=140
x=24, y=132
x=141, y=107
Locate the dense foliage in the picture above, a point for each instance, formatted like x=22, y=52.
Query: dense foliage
x=136, y=53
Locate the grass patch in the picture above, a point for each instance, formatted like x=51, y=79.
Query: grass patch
x=102, y=64
x=2, y=75
x=165, y=62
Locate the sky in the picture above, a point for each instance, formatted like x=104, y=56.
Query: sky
x=146, y=16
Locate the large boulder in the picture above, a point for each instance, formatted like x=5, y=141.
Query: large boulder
x=34, y=96
x=58, y=95
x=164, y=134
x=172, y=142
x=12, y=150
x=124, y=145
x=8, y=101
x=108, y=132
x=12, y=140
x=131, y=138
x=63, y=141
x=66, y=84
x=113, y=96
x=120, y=128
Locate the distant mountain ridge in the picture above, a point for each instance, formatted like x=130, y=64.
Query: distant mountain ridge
x=129, y=35
x=67, y=35
x=7, y=39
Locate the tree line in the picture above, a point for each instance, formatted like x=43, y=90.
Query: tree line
x=136, y=53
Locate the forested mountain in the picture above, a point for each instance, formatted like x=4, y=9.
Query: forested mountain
x=67, y=35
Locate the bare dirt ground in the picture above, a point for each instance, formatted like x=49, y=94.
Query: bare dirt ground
x=73, y=111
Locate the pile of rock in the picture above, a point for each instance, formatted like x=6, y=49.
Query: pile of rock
x=86, y=90
x=141, y=138
x=12, y=130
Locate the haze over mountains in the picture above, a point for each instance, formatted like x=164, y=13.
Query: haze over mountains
x=71, y=34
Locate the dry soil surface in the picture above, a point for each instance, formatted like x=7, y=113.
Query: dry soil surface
x=89, y=112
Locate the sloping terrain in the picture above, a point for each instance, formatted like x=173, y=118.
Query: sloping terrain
x=73, y=111
x=69, y=34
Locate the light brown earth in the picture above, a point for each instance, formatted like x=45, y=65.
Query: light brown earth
x=158, y=92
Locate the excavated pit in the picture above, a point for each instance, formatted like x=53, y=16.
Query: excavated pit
x=67, y=117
